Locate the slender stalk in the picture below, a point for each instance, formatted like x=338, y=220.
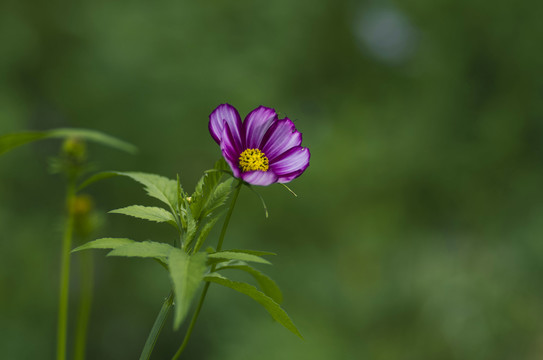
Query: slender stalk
x=85, y=302
x=228, y=215
x=192, y=322
x=65, y=274
x=206, y=286
x=157, y=328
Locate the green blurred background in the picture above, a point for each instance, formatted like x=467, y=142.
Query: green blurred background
x=417, y=230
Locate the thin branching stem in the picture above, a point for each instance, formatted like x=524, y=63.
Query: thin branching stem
x=206, y=286
x=85, y=303
x=157, y=327
x=65, y=273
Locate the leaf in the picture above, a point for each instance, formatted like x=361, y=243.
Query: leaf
x=96, y=177
x=186, y=273
x=204, y=189
x=104, y=243
x=157, y=186
x=93, y=135
x=11, y=141
x=268, y=286
x=145, y=249
x=271, y=306
x=146, y=213
x=233, y=255
x=221, y=165
x=217, y=198
x=192, y=228
x=205, y=232
x=209, y=194
x=252, y=252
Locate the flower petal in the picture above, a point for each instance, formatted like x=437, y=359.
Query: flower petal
x=291, y=162
x=230, y=150
x=280, y=137
x=228, y=113
x=256, y=124
x=288, y=178
x=261, y=178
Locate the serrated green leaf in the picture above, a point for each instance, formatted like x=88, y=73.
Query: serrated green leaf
x=267, y=285
x=205, y=232
x=157, y=186
x=207, y=197
x=242, y=256
x=146, y=213
x=145, y=249
x=11, y=141
x=221, y=164
x=204, y=189
x=217, y=198
x=252, y=252
x=93, y=135
x=267, y=302
x=192, y=228
x=96, y=177
x=186, y=273
x=104, y=243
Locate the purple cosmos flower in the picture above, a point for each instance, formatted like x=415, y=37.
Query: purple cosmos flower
x=263, y=149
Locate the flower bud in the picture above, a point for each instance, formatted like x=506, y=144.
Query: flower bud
x=74, y=149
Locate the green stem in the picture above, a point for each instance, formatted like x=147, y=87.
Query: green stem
x=65, y=274
x=85, y=302
x=206, y=286
x=157, y=328
x=228, y=216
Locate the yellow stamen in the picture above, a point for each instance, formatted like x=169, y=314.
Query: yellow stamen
x=253, y=159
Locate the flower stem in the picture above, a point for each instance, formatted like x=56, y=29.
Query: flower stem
x=65, y=274
x=228, y=215
x=206, y=286
x=157, y=328
x=85, y=302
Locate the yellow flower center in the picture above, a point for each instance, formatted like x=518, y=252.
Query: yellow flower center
x=253, y=159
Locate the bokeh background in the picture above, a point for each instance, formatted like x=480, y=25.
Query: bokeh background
x=417, y=232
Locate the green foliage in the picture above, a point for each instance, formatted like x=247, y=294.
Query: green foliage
x=156, y=186
x=200, y=211
x=236, y=255
x=210, y=193
x=145, y=249
x=186, y=274
x=252, y=252
x=104, y=243
x=190, y=224
x=267, y=285
x=267, y=302
x=194, y=217
x=11, y=141
x=147, y=213
x=96, y=177
x=204, y=232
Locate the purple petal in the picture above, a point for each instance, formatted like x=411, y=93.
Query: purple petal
x=228, y=113
x=229, y=149
x=280, y=137
x=256, y=124
x=261, y=178
x=288, y=178
x=291, y=162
